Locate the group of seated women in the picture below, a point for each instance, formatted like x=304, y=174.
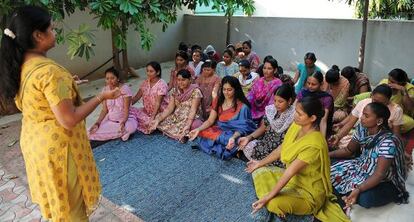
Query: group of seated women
x=313, y=142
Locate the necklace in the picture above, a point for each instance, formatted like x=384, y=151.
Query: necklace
x=228, y=104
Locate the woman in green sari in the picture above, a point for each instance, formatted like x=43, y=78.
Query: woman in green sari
x=304, y=187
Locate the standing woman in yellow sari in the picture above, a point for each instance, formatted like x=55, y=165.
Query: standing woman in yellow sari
x=60, y=167
x=304, y=187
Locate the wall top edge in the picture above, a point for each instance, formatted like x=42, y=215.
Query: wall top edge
x=299, y=18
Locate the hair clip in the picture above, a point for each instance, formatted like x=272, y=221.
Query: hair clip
x=9, y=33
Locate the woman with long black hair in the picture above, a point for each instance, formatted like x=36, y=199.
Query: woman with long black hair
x=61, y=170
x=231, y=113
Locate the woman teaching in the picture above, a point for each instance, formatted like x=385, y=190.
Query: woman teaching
x=60, y=166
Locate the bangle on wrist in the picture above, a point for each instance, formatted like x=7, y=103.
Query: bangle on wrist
x=99, y=98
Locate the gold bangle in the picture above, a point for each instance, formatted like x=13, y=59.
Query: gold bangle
x=99, y=98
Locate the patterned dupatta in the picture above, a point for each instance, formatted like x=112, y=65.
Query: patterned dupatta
x=282, y=122
x=185, y=95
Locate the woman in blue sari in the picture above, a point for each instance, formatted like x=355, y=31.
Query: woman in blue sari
x=231, y=113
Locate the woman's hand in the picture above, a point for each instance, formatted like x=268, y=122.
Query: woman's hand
x=351, y=199
x=193, y=134
x=333, y=141
x=259, y=204
x=243, y=141
x=79, y=81
x=337, y=126
x=94, y=128
x=184, y=135
x=121, y=128
x=111, y=94
x=231, y=143
x=252, y=165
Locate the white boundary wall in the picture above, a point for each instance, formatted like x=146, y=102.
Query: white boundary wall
x=389, y=44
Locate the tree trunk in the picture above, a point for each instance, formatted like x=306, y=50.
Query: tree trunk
x=125, y=64
x=361, y=59
x=228, y=30
x=115, y=53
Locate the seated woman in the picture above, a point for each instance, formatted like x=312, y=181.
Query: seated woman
x=183, y=112
x=229, y=119
x=304, y=187
x=209, y=84
x=115, y=120
x=381, y=94
x=250, y=56
x=234, y=52
x=212, y=54
x=245, y=76
x=313, y=88
x=196, y=63
x=181, y=62
x=154, y=94
x=260, y=69
x=261, y=93
x=376, y=177
x=227, y=67
x=304, y=70
x=338, y=87
x=358, y=82
x=277, y=119
x=403, y=95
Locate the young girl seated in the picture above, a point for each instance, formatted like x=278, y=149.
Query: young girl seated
x=196, y=63
x=277, y=119
x=115, y=120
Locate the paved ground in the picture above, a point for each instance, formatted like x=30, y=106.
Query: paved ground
x=15, y=203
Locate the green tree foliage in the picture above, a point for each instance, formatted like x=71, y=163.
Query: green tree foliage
x=79, y=40
x=385, y=9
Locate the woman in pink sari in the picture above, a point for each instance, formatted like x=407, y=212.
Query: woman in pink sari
x=183, y=112
x=154, y=94
x=261, y=93
x=115, y=120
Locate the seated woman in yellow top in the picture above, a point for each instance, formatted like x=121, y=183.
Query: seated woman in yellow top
x=304, y=187
x=403, y=95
